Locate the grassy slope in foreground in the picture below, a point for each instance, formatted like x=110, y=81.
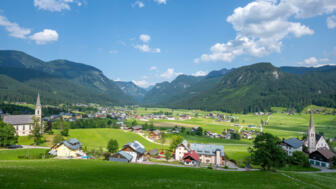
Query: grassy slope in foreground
x=101, y=174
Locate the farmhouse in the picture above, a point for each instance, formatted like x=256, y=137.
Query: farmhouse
x=155, y=135
x=71, y=148
x=291, y=145
x=134, y=149
x=209, y=153
x=23, y=124
x=321, y=158
x=137, y=129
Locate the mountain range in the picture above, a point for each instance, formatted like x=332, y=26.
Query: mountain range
x=256, y=87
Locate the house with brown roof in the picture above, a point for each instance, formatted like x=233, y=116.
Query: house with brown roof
x=155, y=135
x=137, y=129
x=322, y=157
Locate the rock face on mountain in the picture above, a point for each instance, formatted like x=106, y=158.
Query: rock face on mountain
x=132, y=90
x=69, y=78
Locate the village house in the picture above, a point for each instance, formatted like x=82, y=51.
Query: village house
x=71, y=148
x=155, y=135
x=291, y=145
x=209, y=153
x=191, y=158
x=23, y=124
x=137, y=129
x=322, y=157
x=132, y=152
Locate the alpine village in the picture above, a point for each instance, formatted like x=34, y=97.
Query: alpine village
x=258, y=117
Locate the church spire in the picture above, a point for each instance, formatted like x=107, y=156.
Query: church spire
x=311, y=134
x=38, y=102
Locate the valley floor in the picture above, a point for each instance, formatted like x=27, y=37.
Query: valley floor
x=88, y=174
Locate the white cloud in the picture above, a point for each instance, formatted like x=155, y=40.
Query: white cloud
x=143, y=48
x=146, y=48
x=262, y=25
x=200, y=73
x=152, y=68
x=118, y=79
x=170, y=73
x=331, y=22
x=113, y=52
x=145, y=38
x=55, y=5
x=139, y=4
x=142, y=83
x=161, y=1
x=46, y=36
x=13, y=28
x=314, y=62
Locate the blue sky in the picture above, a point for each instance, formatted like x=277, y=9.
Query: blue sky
x=149, y=41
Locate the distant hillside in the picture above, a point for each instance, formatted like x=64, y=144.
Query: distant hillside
x=303, y=70
x=257, y=88
x=165, y=90
x=132, y=90
x=217, y=73
x=75, y=82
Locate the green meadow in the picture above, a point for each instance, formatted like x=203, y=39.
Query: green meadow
x=98, y=138
x=88, y=174
x=14, y=154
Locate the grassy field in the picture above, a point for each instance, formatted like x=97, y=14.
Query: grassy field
x=88, y=174
x=14, y=154
x=281, y=125
x=98, y=138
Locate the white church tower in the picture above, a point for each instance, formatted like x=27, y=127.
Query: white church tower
x=38, y=109
x=311, y=135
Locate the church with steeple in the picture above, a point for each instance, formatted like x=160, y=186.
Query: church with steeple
x=315, y=141
x=23, y=124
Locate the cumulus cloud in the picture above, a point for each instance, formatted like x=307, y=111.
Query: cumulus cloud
x=45, y=36
x=55, y=5
x=142, y=83
x=170, y=73
x=145, y=38
x=138, y=4
x=314, y=62
x=331, y=22
x=161, y=1
x=152, y=68
x=200, y=73
x=13, y=28
x=262, y=25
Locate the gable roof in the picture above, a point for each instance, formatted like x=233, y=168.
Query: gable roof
x=126, y=155
x=294, y=142
x=194, y=155
x=137, y=127
x=136, y=146
x=73, y=144
x=326, y=153
x=18, y=119
x=318, y=137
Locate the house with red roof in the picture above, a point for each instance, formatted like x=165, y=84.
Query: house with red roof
x=191, y=158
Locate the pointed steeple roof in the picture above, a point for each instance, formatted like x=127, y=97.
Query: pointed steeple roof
x=38, y=102
x=311, y=122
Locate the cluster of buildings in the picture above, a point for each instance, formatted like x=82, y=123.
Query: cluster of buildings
x=319, y=151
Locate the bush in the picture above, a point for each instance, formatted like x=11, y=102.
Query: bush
x=112, y=146
x=300, y=159
x=58, y=138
